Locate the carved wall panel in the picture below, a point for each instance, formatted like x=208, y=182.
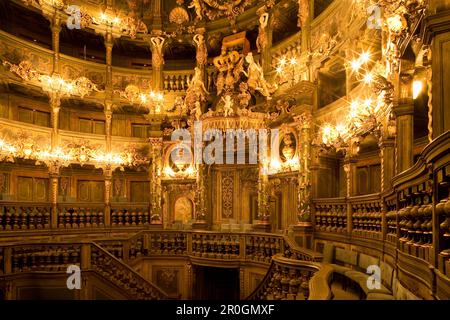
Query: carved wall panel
x=32, y=189
x=90, y=191
x=183, y=210
x=167, y=278
x=140, y=191
x=180, y=199
x=227, y=194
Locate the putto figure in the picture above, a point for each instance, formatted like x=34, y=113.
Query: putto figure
x=198, y=8
x=228, y=106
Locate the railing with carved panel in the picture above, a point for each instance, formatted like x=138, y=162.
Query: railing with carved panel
x=16, y=216
x=289, y=279
x=57, y=257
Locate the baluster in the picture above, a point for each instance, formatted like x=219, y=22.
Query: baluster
x=81, y=217
x=88, y=216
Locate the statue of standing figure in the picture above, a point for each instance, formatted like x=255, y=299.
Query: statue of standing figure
x=196, y=90
x=202, y=52
x=157, y=44
x=261, y=41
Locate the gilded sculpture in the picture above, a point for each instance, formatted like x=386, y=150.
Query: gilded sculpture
x=256, y=80
x=157, y=44
x=202, y=51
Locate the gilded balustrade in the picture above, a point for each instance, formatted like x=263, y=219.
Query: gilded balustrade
x=177, y=81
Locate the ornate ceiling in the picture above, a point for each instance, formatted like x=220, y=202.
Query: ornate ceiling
x=217, y=22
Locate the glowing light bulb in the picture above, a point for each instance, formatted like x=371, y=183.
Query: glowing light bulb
x=417, y=88
x=293, y=61
x=340, y=128
x=143, y=98
x=283, y=62
x=356, y=65
x=365, y=57
x=368, y=78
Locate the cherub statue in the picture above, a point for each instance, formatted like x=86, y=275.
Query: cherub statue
x=256, y=79
x=198, y=8
x=244, y=96
x=228, y=106
x=261, y=41
x=157, y=44
x=202, y=52
x=178, y=105
x=197, y=110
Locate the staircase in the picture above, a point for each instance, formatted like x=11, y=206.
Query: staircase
x=35, y=261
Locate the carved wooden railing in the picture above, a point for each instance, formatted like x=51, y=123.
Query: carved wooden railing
x=121, y=274
x=289, y=279
x=30, y=216
x=423, y=200
x=413, y=218
x=218, y=246
x=366, y=216
x=16, y=216
x=57, y=257
x=73, y=216
x=331, y=215
x=127, y=215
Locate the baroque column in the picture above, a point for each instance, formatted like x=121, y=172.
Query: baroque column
x=437, y=34
x=303, y=229
x=156, y=149
x=404, y=111
x=350, y=178
x=201, y=222
x=263, y=223
x=55, y=25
